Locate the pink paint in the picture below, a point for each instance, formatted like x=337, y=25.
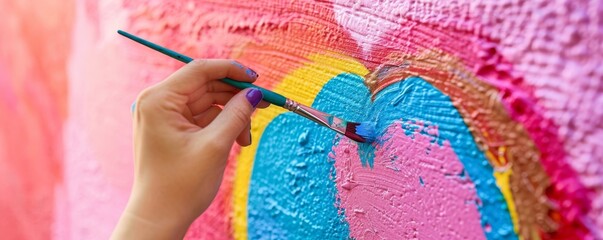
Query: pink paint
x=413, y=191
x=32, y=110
x=520, y=101
x=548, y=77
x=106, y=72
x=103, y=82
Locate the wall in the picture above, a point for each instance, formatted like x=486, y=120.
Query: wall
x=487, y=112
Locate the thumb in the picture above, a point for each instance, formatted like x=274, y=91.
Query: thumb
x=235, y=116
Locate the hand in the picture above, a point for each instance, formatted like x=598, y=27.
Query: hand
x=181, y=144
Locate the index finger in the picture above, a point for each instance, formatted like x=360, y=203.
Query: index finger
x=197, y=73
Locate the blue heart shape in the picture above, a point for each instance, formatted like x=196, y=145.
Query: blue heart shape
x=292, y=191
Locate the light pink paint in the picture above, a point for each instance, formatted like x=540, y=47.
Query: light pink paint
x=389, y=201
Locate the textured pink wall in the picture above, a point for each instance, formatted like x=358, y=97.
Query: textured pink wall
x=532, y=87
x=34, y=49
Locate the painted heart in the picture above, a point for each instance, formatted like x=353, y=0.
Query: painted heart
x=423, y=173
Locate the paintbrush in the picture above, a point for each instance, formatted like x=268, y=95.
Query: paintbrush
x=360, y=132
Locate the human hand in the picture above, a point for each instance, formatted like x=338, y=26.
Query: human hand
x=181, y=144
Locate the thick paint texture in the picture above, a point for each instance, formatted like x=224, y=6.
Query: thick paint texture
x=487, y=115
x=378, y=181
x=409, y=186
x=412, y=107
x=306, y=206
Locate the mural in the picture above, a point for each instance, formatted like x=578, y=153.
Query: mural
x=487, y=113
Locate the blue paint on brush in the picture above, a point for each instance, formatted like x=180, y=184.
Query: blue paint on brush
x=367, y=131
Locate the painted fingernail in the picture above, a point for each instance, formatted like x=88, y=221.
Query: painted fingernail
x=238, y=64
x=252, y=74
x=133, y=107
x=254, y=96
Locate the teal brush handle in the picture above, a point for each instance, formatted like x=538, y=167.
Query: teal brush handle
x=269, y=96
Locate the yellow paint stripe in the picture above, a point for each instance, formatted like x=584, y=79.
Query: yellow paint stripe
x=502, y=181
x=301, y=85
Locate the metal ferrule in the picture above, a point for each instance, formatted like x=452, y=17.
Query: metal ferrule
x=319, y=117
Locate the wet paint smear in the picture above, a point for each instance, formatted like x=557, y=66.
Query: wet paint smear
x=418, y=101
x=289, y=200
x=294, y=193
x=415, y=209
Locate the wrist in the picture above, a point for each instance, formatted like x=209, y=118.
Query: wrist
x=137, y=222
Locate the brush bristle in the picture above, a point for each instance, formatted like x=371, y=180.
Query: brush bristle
x=361, y=132
x=366, y=130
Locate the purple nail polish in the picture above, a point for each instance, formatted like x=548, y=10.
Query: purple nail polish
x=239, y=65
x=254, y=96
x=252, y=74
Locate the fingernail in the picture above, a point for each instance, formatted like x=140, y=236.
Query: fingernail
x=238, y=64
x=133, y=107
x=251, y=73
x=254, y=96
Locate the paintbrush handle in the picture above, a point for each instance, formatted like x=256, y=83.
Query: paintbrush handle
x=269, y=96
